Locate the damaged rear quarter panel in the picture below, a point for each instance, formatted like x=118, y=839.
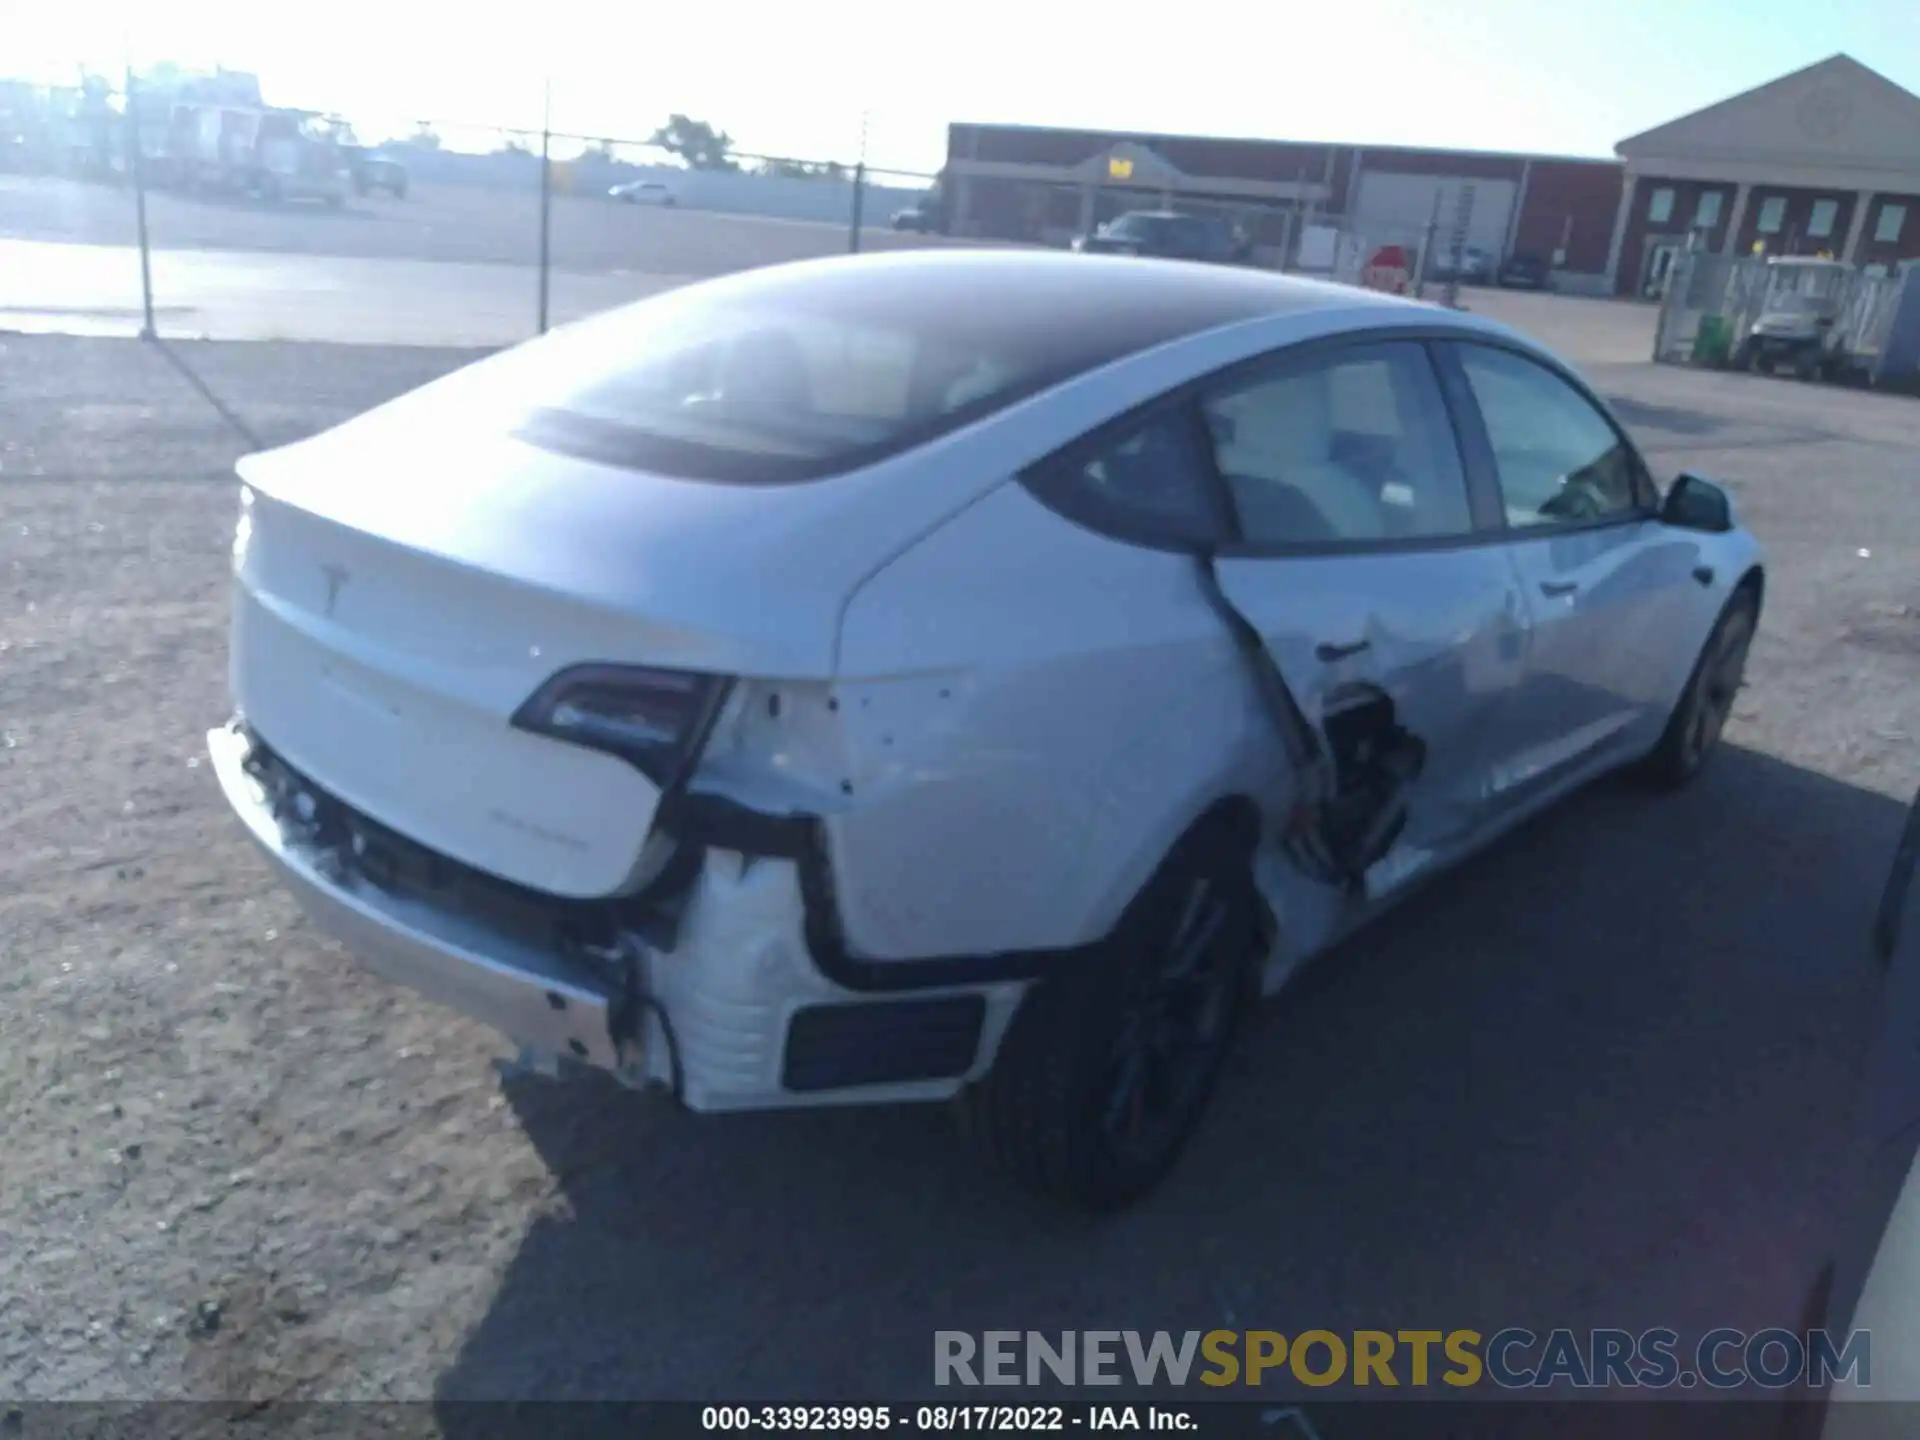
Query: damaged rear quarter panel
x=1032, y=714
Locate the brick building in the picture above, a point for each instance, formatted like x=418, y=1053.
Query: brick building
x=1823, y=161
x=1827, y=158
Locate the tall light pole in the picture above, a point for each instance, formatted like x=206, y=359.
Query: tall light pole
x=859, y=189
x=546, y=194
x=136, y=166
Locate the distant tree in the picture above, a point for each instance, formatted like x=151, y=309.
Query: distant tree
x=423, y=136
x=696, y=142
x=512, y=145
x=598, y=150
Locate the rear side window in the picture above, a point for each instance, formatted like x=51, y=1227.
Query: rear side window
x=1353, y=446
x=1146, y=481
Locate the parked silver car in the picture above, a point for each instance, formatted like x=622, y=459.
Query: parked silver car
x=952, y=674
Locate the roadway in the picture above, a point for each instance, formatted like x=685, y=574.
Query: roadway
x=457, y=265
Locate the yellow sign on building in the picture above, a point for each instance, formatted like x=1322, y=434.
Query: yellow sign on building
x=1119, y=168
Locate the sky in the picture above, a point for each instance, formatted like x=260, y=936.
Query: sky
x=807, y=81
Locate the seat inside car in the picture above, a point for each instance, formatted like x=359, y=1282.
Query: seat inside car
x=1279, y=457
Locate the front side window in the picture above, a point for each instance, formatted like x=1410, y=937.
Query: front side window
x=1660, y=206
x=1773, y=214
x=1559, y=460
x=1352, y=446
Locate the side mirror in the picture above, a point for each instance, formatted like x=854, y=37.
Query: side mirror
x=1696, y=504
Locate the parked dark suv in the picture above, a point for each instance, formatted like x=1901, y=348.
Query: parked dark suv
x=1524, y=272
x=1166, y=235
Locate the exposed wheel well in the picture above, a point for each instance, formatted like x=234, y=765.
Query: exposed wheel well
x=1236, y=822
x=1237, y=819
x=1754, y=583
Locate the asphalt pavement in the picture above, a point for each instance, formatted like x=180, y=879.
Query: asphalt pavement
x=449, y=265
x=93, y=289
x=466, y=224
x=456, y=265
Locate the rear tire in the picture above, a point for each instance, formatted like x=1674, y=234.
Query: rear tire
x=1107, y=1069
x=1700, y=715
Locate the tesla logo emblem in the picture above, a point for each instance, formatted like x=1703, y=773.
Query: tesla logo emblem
x=336, y=577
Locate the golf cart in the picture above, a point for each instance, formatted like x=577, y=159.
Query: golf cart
x=1798, y=310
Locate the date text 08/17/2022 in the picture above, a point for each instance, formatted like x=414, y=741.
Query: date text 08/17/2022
x=944, y=1419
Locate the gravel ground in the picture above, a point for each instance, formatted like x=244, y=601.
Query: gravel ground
x=1600, y=1077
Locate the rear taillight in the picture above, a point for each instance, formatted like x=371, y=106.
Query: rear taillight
x=656, y=720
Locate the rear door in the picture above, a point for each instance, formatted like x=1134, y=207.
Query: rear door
x=1606, y=585
x=1369, y=568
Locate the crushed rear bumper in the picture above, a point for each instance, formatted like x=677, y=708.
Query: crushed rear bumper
x=724, y=1006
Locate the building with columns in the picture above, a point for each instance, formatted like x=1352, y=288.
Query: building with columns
x=1825, y=160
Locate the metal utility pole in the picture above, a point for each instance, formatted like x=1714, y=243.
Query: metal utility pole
x=1426, y=247
x=855, y=221
x=546, y=196
x=136, y=168
x=1457, y=243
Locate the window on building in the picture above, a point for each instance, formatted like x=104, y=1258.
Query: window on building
x=1706, y=214
x=1825, y=212
x=1773, y=214
x=1660, y=206
x=1893, y=218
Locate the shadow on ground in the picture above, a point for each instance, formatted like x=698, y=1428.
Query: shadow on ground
x=1601, y=1076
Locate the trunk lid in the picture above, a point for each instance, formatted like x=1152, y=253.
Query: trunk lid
x=398, y=594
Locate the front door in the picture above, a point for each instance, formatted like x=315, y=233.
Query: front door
x=1603, y=580
x=1382, y=601
x=1658, y=267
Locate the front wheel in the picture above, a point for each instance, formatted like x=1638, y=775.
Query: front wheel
x=1106, y=1070
x=1700, y=715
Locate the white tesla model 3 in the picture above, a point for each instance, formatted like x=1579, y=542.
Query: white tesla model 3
x=958, y=674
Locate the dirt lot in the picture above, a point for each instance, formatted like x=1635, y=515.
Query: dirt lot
x=1596, y=1079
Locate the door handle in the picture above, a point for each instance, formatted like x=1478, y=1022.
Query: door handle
x=1329, y=653
x=1558, y=587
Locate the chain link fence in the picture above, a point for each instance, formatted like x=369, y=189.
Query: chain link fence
x=1725, y=311
x=531, y=226
x=544, y=224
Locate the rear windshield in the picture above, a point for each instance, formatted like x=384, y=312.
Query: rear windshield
x=752, y=393
x=798, y=376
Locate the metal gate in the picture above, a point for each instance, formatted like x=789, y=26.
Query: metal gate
x=1733, y=291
